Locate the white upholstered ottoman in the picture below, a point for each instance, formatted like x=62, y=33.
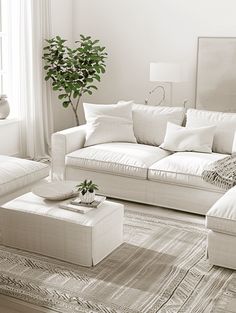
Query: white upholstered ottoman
x=221, y=221
x=34, y=224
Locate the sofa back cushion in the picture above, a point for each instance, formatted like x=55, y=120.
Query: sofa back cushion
x=150, y=122
x=225, y=127
x=108, y=123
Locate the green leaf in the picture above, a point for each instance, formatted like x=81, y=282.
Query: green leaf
x=97, y=77
x=95, y=41
x=92, y=86
x=66, y=104
x=75, y=94
x=102, y=69
x=62, y=96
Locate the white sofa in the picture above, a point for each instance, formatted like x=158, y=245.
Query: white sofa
x=17, y=176
x=143, y=172
x=221, y=222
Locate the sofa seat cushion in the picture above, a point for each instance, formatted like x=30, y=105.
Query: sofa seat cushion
x=222, y=215
x=184, y=168
x=16, y=173
x=124, y=159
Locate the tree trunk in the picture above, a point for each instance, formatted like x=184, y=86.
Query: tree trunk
x=76, y=114
x=77, y=118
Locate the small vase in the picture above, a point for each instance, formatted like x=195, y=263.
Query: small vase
x=4, y=107
x=88, y=197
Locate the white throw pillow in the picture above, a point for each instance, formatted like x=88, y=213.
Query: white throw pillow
x=225, y=127
x=180, y=138
x=108, y=123
x=150, y=122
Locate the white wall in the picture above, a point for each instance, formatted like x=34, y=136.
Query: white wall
x=62, y=25
x=137, y=32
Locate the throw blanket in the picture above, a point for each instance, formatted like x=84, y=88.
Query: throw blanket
x=221, y=173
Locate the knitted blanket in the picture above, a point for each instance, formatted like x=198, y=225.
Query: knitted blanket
x=221, y=173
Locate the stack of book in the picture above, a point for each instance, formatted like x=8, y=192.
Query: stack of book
x=76, y=205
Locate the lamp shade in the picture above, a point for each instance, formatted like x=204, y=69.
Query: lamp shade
x=166, y=72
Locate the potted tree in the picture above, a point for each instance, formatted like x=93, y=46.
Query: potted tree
x=74, y=71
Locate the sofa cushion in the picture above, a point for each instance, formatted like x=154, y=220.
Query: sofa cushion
x=180, y=138
x=150, y=121
x=184, y=168
x=124, y=159
x=225, y=127
x=222, y=215
x=108, y=123
x=16, y=173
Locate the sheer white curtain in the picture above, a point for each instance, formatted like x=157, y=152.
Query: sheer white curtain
x=29, y=95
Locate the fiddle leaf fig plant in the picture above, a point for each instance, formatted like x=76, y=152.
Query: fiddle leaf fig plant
x=74, y=71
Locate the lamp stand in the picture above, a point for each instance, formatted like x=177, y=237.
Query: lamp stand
x=171, y=93
x=163, y=94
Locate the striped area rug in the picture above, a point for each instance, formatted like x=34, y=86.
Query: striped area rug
x=160, y=268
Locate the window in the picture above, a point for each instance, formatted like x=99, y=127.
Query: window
x=3, y=52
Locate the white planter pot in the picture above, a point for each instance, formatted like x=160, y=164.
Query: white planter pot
x=4, y=107
x=88, y=197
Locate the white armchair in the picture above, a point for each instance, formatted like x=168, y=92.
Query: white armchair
x=64, y=142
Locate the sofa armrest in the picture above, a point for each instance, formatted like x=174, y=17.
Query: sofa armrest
x=64, y=142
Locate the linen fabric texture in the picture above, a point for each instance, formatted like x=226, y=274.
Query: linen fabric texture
x=16, y=173
x=150, y=122
x=225, y=127
x=108, y=123
x=222, y=215
x=42, y=223
x=180, y=138
x=119, y=158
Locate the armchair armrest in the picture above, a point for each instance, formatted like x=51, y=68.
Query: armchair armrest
x=64, y=142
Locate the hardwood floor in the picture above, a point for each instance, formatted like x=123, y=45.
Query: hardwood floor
x=11, y=305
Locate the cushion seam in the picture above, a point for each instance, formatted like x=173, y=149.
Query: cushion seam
x=116, y=163
x=222, y=231
x=106, y=172
x=150, y=169
x=185, y=185
x=221, y=218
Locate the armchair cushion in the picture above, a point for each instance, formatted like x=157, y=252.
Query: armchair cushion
x=16, y=173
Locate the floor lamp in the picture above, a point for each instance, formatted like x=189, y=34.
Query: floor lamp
x=165, y=73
